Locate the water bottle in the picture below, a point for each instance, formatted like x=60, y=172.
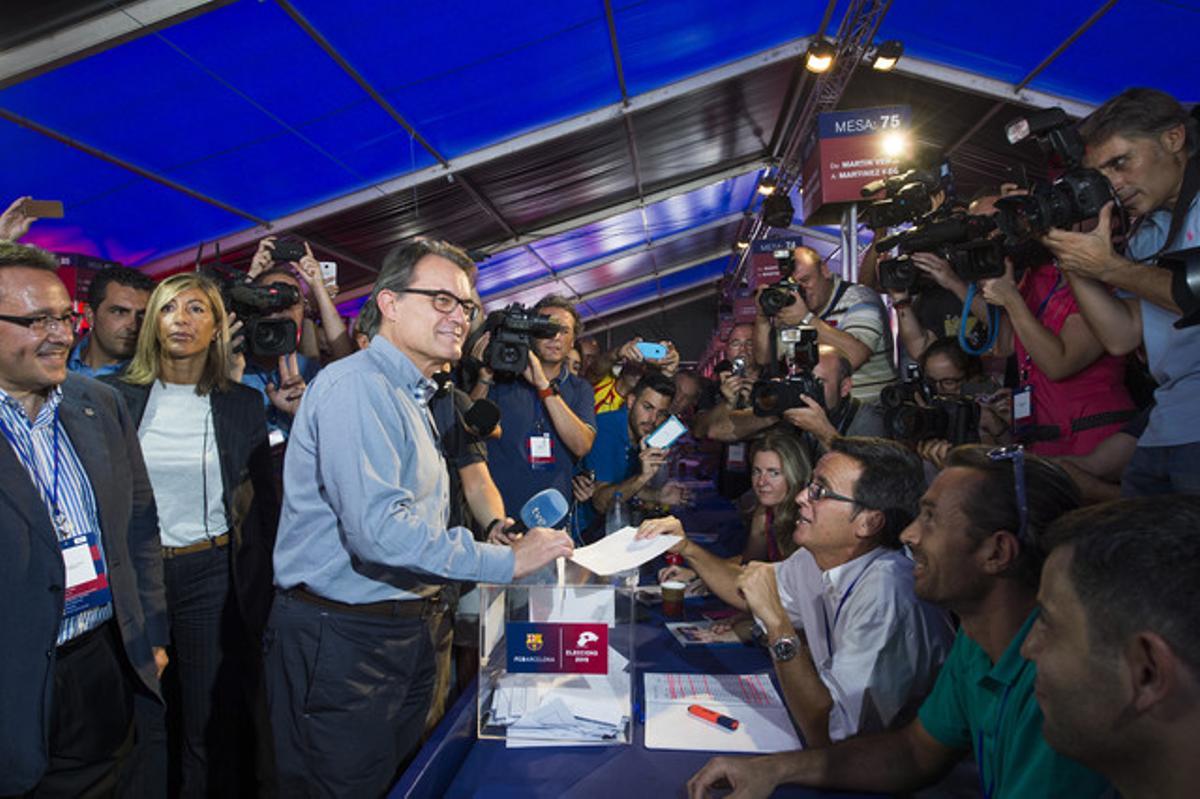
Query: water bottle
x=617, y=518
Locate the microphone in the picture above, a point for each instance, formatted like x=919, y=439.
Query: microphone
x=481, y=418
x=544, y=509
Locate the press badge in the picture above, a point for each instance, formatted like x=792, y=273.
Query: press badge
x=539, y=448
x=735, y=459
x=1023, y=405
x=87, y=582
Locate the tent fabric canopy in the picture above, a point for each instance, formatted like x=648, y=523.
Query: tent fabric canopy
x=603, y=150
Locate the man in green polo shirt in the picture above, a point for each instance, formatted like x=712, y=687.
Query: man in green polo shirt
x=975, y=554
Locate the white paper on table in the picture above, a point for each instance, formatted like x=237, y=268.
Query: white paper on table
x=621, y=552
x=764, y=723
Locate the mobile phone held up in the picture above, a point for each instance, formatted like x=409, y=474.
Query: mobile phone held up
x=666, y=434
x=652, y=351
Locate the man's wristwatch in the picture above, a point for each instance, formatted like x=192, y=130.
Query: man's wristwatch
x=547, y=392
x=784, y=648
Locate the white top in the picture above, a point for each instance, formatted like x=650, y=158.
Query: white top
x=180, y=447
x=886, y=647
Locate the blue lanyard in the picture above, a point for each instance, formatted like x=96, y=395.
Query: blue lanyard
x=989, y=786
x=1058, y=284
x=50, y=493
x=837, y=613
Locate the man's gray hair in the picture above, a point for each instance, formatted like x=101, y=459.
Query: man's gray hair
x=396, y=273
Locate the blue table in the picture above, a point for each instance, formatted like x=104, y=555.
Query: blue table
x=454, y=764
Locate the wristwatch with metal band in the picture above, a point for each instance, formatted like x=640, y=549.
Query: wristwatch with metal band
x=784, y=648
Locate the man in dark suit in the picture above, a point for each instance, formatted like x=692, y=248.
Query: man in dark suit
x=84, y=620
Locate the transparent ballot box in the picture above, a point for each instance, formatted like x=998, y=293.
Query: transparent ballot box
x=556, y=663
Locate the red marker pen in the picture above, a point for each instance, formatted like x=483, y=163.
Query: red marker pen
x=713, y=716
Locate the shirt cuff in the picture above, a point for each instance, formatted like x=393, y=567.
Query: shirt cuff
x=496, y=564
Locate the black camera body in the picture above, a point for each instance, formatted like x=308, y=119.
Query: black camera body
x=960, y=238
x=513, y=330
x=773, y=397
x=268, y=338
x=1076, y=196
x=913, y=412
x=901, y=274
x=912, y=201
x=287, y=250
x=778, y=296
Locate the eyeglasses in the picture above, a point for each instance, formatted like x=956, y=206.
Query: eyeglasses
x=1016, y=454
x=817, y=492
x=444, y=302
x=947, y=384
x=43, y=323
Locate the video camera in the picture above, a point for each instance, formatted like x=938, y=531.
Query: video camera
x=908, y=196
x=962, y=239
x=1076, y=196
x=912, y=412
x=773, y=397
x=779, y=295
x=264, y=337
x=513, y=330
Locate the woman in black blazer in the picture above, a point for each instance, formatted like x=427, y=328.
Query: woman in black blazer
x=204, y=439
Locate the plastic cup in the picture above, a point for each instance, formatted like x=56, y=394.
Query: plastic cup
x=672, y=597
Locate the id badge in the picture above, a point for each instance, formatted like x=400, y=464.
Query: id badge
x=539, y=449
x=735, y=460
x=87, y=582
x=1023, y=406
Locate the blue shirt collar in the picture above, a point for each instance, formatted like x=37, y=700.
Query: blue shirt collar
x=401, y=369
x=45, y=414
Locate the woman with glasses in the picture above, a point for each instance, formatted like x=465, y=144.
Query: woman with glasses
x=779, y=469
x=204, y=438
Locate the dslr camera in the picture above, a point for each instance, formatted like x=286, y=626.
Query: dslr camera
x=912, y=412
x=1076, y=196
x=264, y=337
x=773, y=397
x=907, y=197
x=779, y=295
x=513, y=330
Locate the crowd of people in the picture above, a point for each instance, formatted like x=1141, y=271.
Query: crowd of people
x=233, y=568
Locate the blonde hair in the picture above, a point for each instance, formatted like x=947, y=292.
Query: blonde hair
x=146, y=365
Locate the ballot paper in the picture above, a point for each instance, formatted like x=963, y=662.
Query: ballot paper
x=764, y=724
x=620, y=551
x=566, y=709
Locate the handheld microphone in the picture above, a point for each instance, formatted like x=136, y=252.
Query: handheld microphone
x=480, y=418
x=544, y=509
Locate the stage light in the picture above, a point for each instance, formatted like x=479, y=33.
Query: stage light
x=894, y=144
x=742, y=244
x=777, y=211
x=766, y=186
x=886, y=55
x=819, y=57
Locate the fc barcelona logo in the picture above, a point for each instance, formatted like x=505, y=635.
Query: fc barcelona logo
x=533, y=641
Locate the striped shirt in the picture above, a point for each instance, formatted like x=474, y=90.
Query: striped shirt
x=34, y=445
x=859, y=311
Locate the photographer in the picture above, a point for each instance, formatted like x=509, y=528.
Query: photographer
x=936, y=311
x=548, y=422
x=845, y=315
x=842, y=413
x=617, y=379
x=1071, y=395
x=1144, y=143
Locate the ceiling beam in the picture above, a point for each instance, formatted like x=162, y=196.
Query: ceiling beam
x=713, y=255
x=96, y=35
x=641, y=247
x=518, y=144
x=692, y=292
x=989, y=87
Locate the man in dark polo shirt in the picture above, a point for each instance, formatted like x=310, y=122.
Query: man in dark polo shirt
x=546, y=415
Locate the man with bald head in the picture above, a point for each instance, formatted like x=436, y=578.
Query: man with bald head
x=845, y=315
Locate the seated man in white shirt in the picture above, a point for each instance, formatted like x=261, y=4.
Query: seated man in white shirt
x=855, y=650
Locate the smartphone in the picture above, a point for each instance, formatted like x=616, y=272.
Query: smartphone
x=655, y=352
x=329, y=273
x=666, y=433
x=43, y=209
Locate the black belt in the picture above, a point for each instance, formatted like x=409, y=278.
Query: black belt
x=83, y=639
x=392, y=609
x=1049, y=432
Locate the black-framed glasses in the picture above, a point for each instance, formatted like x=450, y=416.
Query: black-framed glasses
x=1016, y=454
x=818, y=491
x=444, y=301
x=43, y=323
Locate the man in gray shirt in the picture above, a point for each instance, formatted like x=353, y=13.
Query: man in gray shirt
x=363, y=546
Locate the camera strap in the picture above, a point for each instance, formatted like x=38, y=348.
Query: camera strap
x=1187, y=193
x=843, y=287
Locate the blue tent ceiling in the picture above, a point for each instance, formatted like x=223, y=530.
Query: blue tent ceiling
x=250, y=106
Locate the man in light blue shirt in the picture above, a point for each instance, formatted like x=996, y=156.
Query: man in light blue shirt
x=363, y=544
x=1144, y=142
x=117, y=300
